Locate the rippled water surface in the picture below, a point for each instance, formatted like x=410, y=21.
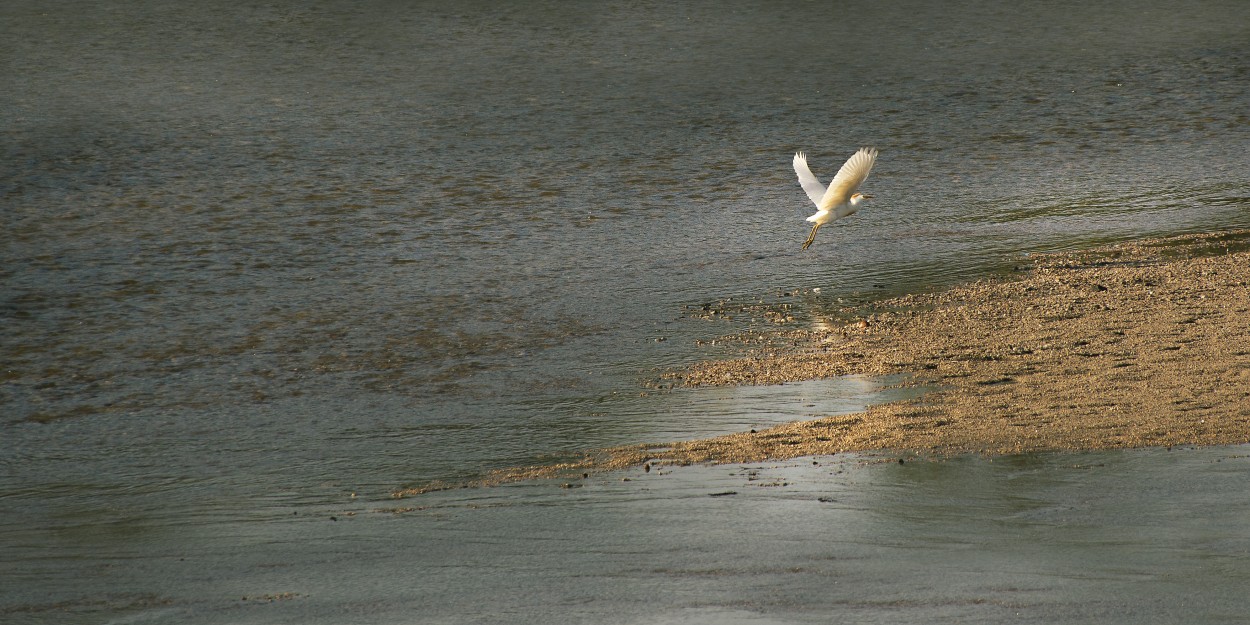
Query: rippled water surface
x=258, y=258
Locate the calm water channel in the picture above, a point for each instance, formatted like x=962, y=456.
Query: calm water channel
x=262, y=265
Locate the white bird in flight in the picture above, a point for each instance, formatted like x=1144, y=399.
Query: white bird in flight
x=840, y=199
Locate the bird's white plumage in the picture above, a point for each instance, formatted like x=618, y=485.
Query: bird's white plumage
x=853, y=173
x=840, y=198
x=810, y=184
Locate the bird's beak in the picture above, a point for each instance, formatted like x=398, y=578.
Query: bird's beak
x=866, y=196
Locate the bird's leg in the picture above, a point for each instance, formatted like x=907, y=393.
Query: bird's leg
x=811, y=237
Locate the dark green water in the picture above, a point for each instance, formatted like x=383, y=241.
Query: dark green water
x=257, y=258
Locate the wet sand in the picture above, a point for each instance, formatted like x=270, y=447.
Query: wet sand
x=1135, y=345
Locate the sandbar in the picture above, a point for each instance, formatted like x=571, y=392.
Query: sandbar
x=1140, y=344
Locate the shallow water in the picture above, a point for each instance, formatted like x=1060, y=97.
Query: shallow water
x=1152, y=536
x=256, y=259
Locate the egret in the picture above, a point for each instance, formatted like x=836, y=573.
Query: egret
x=840, y=199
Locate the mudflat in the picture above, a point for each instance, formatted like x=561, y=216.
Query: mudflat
x=1134, y=345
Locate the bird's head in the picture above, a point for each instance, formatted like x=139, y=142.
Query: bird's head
x=859, y=197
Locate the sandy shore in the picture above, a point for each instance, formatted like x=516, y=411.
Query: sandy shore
x=1141, y=344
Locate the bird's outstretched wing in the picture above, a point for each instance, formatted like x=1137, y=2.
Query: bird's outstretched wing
x=810, y=184
x=852, y=174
